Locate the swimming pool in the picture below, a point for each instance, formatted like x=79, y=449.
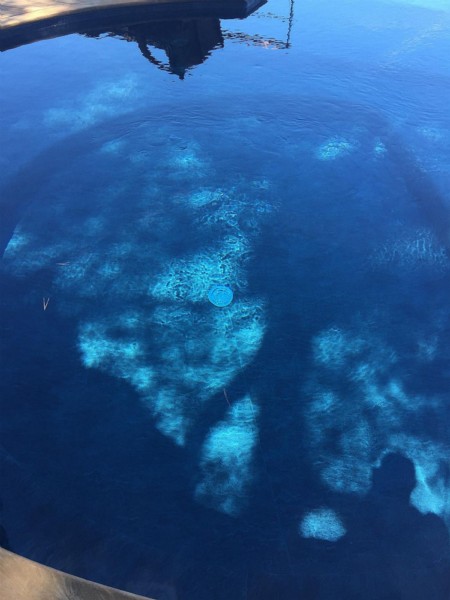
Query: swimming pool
x=291, y=439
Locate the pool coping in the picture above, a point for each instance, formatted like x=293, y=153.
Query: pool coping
x=40, y=25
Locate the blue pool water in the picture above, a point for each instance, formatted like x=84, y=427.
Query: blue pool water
x=293, y=441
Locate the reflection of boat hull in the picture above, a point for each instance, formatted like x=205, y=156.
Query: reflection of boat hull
x=23, y=579
x=21, y=26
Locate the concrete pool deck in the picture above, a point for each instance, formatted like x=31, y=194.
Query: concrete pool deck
x=23, y=579
x=19, y=12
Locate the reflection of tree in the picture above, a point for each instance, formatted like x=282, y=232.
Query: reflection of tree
x=186, y=42
x=189, y=42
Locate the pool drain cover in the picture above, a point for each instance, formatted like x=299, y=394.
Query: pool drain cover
x=220, y=295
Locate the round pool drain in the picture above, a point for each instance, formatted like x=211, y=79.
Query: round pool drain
x=220, y=295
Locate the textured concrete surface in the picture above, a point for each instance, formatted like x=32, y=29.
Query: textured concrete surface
x=23, y=579
x=19, y=12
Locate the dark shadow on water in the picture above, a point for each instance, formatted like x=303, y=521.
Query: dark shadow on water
x=391, y=551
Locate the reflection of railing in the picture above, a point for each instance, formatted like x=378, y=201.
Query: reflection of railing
x=259, y=40
x=254, y=40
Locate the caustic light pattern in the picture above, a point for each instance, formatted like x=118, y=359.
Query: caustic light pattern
x=226, y=462
x=322, y=524
x=152, y=322
x=360, y=409
x=133, y=261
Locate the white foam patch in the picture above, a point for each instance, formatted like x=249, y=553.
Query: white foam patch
x=322, y=524
x=227, y=455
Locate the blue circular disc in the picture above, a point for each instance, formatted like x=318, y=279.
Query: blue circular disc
x=220, y=295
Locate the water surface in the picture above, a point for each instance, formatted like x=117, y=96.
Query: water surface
x=293, y=443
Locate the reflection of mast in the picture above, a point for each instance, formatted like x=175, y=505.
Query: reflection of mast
x=291, y=21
